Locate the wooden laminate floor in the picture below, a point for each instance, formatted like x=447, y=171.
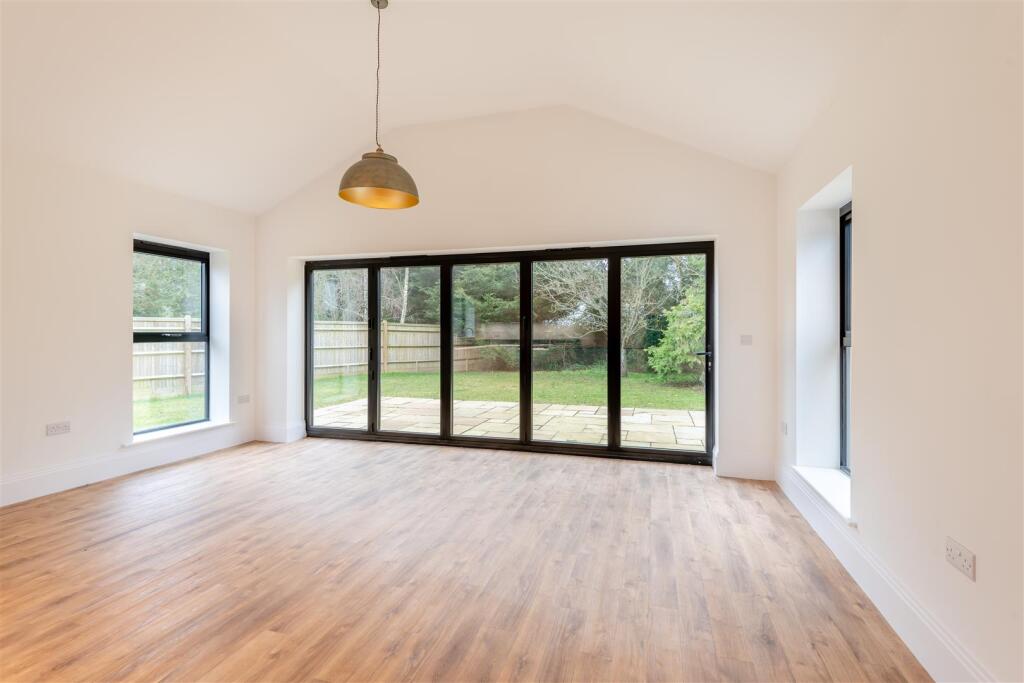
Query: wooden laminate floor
x=336, y=560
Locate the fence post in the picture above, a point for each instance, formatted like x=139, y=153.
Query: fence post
x=384, y=338
x=188, y=358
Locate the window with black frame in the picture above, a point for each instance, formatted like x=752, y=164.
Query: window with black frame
x=845, y=332
x=171, y=336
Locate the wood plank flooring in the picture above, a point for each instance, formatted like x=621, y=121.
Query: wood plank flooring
x=327, y=560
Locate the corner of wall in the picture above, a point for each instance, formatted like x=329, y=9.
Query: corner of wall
x=938, y=650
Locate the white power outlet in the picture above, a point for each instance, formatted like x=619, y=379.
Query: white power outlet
x=960, y=557
x=55, y=428
x=243, y=398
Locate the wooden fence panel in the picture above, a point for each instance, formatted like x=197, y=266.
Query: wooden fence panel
x=407, y=347
x=165, y=369
x=339, y=348
x=158, y=369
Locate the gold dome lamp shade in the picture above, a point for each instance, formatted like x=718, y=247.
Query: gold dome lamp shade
x=379, y=182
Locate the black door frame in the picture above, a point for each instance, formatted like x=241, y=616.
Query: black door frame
x=845, y=331
x=525, y=259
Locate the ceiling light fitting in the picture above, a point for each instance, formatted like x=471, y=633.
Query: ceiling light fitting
x=377, y=180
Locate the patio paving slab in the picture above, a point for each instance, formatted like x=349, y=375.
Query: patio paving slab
x=641, y=427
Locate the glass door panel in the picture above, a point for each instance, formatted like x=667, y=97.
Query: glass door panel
x=410, y=349
x=662, y=368
x=340, y=348
x=570, y=351
x=485, y=354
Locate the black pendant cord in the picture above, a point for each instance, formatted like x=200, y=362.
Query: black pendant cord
x=376, y=133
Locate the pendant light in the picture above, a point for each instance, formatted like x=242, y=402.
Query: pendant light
x=376, y=180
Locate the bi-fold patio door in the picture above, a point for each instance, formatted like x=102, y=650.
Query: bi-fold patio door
x=591, y=351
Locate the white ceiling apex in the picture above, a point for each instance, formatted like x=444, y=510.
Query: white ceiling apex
x=241, y=104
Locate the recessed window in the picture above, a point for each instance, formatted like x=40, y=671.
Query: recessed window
x=845, y=332
x=170, y=329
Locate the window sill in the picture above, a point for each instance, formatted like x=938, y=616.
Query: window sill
x=150, y=437
x=832, y=484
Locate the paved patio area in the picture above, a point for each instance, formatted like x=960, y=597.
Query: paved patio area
x=641, y=427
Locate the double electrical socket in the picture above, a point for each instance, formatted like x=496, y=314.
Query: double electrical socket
x=960, y=557
x=55, y=428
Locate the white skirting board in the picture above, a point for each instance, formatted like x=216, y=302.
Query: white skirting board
x=283, y=433
x=133, y=458
x=945, y=658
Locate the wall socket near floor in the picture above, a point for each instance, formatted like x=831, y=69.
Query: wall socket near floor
x=243, y=398
x=55, y=428
x=960, y=557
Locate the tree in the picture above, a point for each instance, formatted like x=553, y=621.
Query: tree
x=340, y=295
x=492, y=289
x=394, y=294
x=647, y=287
x=166, y=287
x=484, y=294
x=572, y=294
x=410, y=294
x=674, y=358
x=575, y=293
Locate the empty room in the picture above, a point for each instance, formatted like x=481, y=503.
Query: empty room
x=596, y=341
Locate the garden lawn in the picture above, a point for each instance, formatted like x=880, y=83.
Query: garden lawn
x=566, y=387
x=159, y=412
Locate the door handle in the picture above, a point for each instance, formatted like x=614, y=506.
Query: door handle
x=703, y=353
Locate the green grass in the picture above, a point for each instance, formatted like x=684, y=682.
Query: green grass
x=159, y=412
x=568, y=387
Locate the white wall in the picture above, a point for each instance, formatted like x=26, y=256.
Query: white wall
x=931, y=124
x=552, y=176
x=67, y=283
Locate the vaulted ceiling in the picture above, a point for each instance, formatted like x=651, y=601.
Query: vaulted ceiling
x=240, y=104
